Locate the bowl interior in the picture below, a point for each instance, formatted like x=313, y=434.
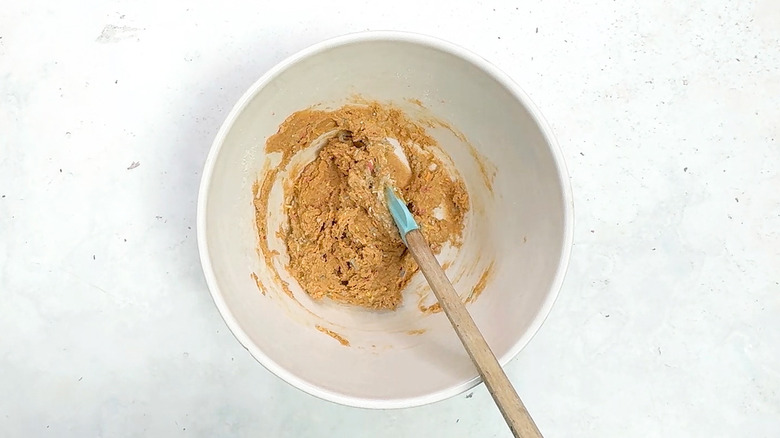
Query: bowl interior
x=516, y=238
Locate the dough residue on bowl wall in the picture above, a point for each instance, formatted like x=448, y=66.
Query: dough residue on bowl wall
x=476, y=291
x=258, y=282
x=339, y=236
x=342, y=340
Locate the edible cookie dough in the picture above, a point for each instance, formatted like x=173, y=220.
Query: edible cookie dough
x=341, y=241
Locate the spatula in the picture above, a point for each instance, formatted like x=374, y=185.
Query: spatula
x=504, y=394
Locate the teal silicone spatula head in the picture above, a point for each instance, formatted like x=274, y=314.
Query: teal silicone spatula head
x=401, y=215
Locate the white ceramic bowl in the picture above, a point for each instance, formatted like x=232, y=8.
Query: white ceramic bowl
x=523, y=225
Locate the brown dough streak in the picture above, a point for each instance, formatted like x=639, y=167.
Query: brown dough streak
x=342, y=340
x=258, y=282
x=481, y=284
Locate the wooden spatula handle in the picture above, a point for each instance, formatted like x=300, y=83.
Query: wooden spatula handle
x=504, y=394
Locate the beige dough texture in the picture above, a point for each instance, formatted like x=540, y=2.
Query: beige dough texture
x=340, y=238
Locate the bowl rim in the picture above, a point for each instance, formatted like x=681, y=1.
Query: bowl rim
x=406, y=37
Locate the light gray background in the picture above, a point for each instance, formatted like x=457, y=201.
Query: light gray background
x=667, y=112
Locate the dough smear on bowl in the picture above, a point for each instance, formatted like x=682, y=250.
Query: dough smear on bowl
x=340, y=238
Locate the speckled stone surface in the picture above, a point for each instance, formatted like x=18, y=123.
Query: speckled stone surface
x=667, y=112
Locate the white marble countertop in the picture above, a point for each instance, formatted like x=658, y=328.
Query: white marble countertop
x=667, y=112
